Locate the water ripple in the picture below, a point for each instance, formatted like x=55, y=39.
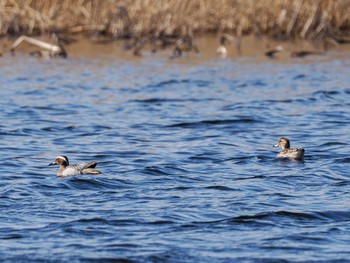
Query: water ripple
x=189, y=171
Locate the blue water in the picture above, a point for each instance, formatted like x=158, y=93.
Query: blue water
x=185, y=147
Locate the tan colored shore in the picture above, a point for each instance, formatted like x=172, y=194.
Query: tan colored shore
x=207, y=45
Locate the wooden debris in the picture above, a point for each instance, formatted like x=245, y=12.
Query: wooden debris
x=49, y=50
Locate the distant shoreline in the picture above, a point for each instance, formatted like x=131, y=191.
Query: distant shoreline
x=251, y=47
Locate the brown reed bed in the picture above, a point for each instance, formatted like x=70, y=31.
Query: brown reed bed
x=118, y=19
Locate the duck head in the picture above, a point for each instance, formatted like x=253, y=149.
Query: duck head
x=283, y=143
x=60, y=160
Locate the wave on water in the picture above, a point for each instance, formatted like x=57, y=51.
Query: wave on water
x=189, y=173
x=210, y=122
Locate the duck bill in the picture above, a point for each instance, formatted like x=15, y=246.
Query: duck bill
x=53, y=163
x=276, y=145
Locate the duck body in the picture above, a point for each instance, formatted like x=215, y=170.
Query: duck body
x=292, y=153
x=272, y=52
x=67, y=169
x=222, y=51
x=287, y=152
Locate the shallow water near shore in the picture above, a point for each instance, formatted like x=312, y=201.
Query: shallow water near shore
x=185, y=146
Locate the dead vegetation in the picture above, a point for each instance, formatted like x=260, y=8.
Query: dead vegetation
x=117, y=19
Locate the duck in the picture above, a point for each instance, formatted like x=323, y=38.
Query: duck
x=287, y=152
x=222, y=50
x=304, y=53
x=67, y=169
x=272, y=52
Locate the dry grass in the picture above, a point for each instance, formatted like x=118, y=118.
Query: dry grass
x=129, y=18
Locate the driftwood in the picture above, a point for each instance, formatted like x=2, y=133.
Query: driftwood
x=49, y=49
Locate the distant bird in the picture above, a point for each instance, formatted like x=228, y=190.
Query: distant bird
x=184, y=44
x=304, y=53
x=177, y=52
x=222, y=50
x=342, y=40
x=67, y=169
x=330, y=42
x=139, y=46
x=327, y=42
x=272, y=52
x=287, y=152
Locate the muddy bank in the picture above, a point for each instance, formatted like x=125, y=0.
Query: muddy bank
x=207, y=50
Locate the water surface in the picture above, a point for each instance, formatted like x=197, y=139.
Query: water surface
x=185, y=146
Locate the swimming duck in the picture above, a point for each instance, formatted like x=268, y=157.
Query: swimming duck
x=222, y=50
x=67, y=169
x=287, y=152
x=272, y=52
x=304, y=53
